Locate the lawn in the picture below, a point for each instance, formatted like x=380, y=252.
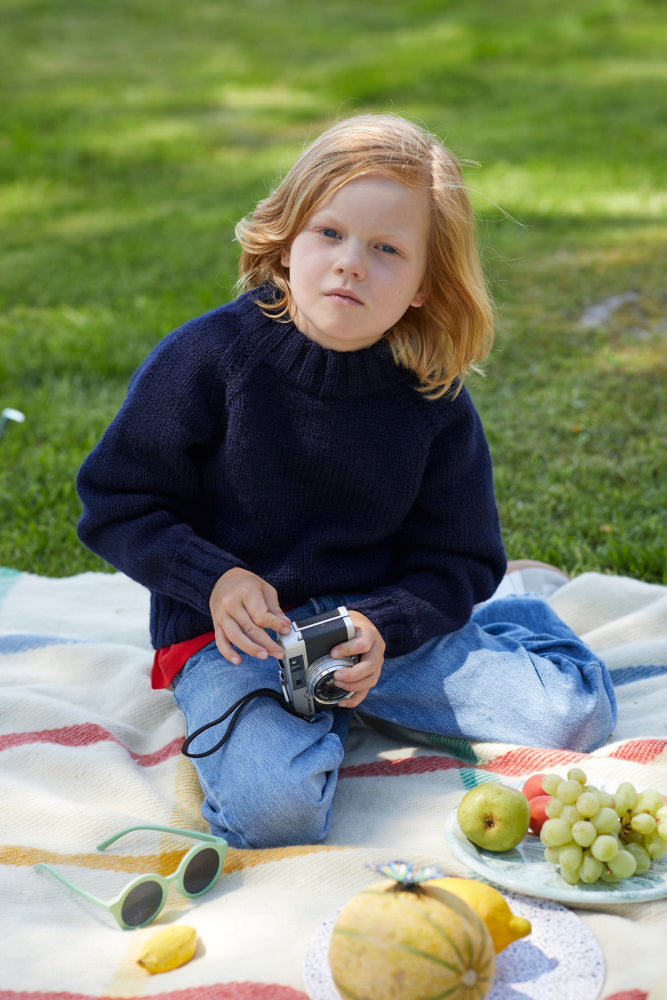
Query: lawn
x=136, y=134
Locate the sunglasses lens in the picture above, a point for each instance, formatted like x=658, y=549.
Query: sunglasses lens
x=202, y=871
x=141, y=904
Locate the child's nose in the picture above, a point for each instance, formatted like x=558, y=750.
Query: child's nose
x=351, y=259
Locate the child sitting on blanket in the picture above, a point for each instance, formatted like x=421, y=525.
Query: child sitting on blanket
x=311, y=445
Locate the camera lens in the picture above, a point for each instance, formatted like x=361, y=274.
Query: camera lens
x=320, y=679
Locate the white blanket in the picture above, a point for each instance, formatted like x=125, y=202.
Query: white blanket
x=87, y=748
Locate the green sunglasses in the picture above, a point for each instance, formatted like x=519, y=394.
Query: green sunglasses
x=140, y=902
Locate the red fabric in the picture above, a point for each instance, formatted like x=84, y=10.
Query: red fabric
x=169, y=660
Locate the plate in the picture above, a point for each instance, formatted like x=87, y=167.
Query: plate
x=525, y=870
x=560, y=958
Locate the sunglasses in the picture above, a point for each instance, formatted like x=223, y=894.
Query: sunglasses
x=140, y=902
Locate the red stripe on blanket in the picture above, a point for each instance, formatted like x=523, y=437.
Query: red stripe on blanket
x=628, y=995
x=396, y=768
x=640, y=751
x=524, y=760
x=220, y=991
x=87, y=735
x=530, y=760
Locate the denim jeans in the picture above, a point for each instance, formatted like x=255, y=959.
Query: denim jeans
x=514, y=674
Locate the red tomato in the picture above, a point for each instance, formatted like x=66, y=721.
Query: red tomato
x=538, y=815
x=533, y=787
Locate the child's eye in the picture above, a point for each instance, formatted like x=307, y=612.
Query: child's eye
x=385, y=248
x=331, y=234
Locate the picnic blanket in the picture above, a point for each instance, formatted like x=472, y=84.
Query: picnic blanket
x=87, y=749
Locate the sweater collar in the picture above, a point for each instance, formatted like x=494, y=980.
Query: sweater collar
x=316, y=369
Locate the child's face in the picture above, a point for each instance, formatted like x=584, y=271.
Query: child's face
x=359, y=262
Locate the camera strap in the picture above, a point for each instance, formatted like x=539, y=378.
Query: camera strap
x=234, y=711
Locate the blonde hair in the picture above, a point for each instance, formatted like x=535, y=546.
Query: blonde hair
x=453, y=330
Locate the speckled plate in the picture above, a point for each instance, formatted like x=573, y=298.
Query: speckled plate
x=560, y=958
x=524, y=870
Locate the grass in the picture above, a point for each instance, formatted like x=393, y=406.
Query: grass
x=136, y=134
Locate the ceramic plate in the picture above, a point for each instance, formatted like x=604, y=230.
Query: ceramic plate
x=524, y=870
x=560, y=958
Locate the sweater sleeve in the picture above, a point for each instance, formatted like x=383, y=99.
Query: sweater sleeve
x=449, y=553
x=140, y=483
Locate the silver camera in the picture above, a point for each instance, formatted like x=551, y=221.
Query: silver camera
x=307, y=667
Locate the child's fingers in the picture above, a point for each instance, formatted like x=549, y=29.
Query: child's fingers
x=361, y=677
x=251, y=638
x=224, y=646
x=242, y=607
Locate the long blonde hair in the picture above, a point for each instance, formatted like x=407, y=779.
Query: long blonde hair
x=453, y=330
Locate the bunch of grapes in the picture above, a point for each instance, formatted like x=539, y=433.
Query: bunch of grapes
x=594, y=836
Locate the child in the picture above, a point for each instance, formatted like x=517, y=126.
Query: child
x=311, y=445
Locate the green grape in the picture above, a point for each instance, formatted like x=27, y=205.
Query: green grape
x=588, y=804
x=649, y=801
x=621, y=805
x=571, y=857
x=630, y=836
x=553, y=808
x=656, y=846
x=550, y=783
x=592, y=835
x=555, y=833
x=568, y=791
x=570, y=814
x=628, y=792
x=606, y=820
x=605, y=847
x=591, y=869
x=643, y=823
x=571, y=877
x=641, y=856
x=624, y=864
x=583, y=833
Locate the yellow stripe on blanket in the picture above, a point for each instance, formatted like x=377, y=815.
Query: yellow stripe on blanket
x=163, y=863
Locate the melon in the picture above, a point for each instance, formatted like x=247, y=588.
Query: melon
x=410, y=943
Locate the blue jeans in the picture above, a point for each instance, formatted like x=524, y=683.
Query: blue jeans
x=514, y=674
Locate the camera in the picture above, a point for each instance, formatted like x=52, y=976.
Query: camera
x=307, y=667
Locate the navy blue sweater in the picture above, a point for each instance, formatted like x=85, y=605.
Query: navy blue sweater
x=243, y=443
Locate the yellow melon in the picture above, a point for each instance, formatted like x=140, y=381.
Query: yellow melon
x=417, y=943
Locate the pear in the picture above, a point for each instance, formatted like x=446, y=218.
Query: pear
x=494, y=816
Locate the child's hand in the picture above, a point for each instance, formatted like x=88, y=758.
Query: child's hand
x=368, y=645
x=242, y=607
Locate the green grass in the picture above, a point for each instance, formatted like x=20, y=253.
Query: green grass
x=136, y=133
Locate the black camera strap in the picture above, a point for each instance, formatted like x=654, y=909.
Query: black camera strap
x=236, y=709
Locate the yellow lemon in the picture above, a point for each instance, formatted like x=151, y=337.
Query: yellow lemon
x=169, y=948
x=489, y=904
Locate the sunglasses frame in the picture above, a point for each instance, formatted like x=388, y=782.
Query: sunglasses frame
x=115, y=906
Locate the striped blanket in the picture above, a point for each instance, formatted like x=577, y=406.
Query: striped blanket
x=87, y=749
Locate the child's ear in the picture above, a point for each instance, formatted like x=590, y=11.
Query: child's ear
x=285, y=256
x=420, y=298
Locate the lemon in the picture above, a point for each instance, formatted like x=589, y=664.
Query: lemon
x=169, y=948
x=489, y=904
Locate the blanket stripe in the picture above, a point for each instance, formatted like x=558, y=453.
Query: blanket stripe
x=218, y=991
x=87, y=735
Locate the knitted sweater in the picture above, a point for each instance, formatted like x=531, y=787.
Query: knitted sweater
x=243, y=443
